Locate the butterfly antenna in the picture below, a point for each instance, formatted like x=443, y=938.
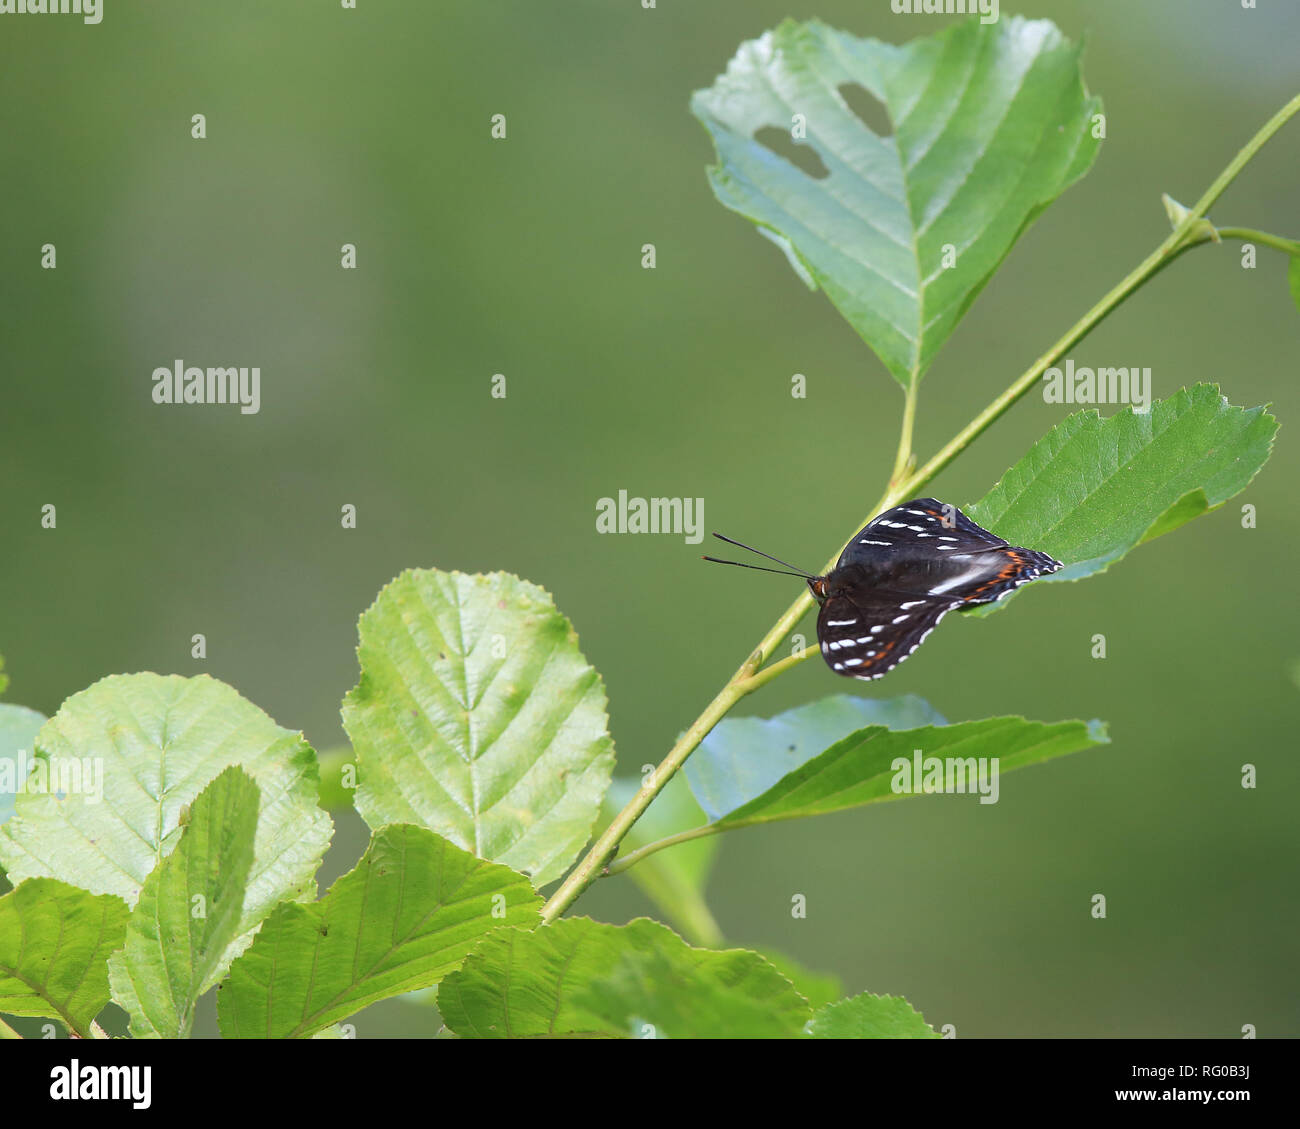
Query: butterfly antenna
x=741, y=545
x=758, y=568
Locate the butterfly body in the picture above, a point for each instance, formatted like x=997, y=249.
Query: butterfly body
x=902, y=574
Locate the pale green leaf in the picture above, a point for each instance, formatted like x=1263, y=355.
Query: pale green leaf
x=55, y=941
x=477, y=716
x=870, y=1017
x=401, y=920
x=18, y=729
x=989, y=123
x=876, y=764
x=136, y=750
x=640, y=980
x=189, y=912
x=744, y=756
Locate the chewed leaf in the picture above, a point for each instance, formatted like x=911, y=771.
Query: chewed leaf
x=903, y=224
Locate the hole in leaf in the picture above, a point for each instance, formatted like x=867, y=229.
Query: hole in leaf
x=868, y=108
x=803, y=156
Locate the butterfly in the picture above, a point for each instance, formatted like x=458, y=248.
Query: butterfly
x=908, y=568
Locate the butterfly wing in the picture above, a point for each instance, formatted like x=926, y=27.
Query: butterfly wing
x=865, y=633
x=903, y=573
x=1006, y=569
x=927, y=547
x=923, y=523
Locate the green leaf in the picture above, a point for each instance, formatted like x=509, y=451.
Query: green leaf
x=189, y=912
x=138, y=749
x=818, y=988
x=990, y=123
x=744, y=756
x=870, y=1017
x=402, y=919
x=1092, y=489
x=477, y=716
x=861, y=768
x=4, y=678
x=673, y=879
x=1293, y=279
x=640, y=980
x=18, y=729
x=54, y=946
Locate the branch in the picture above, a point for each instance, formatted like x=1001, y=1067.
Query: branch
x=751, y=676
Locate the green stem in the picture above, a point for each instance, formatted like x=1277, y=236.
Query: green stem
x=903, y=460
x=623, y=862
x=1249, y=235
x=751, y=674
x=1248, y=151
x=778, y=668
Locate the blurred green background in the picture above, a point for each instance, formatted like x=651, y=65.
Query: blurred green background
x=522, y=257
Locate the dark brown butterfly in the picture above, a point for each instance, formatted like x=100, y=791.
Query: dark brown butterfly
x=906, y=570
